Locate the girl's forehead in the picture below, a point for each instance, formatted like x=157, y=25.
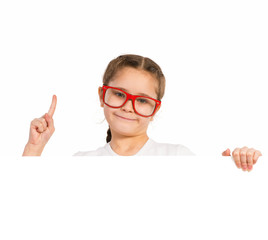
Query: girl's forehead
x=135, y=81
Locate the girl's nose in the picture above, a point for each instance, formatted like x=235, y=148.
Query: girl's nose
x=128, y=107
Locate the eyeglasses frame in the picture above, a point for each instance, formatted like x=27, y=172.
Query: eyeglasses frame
x=132, y=98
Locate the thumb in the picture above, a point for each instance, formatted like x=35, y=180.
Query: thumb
x=227, y=152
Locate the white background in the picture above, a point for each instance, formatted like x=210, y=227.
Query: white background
x=214, y=57
x=213, y=54
x=132, y=198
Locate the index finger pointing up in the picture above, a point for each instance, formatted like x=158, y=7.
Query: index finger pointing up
x=52, y=106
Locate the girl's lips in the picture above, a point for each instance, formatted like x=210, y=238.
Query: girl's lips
x=129, y=119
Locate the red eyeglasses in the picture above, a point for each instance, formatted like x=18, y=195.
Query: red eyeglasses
x=142, y=105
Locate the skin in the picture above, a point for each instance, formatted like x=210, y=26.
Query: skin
x=129, y=130
x=41, y=130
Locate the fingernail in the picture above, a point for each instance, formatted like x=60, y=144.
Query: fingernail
x=249, y=168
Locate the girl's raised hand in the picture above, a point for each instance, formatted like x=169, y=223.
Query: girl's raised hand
x=244, y=157
x=41, y=130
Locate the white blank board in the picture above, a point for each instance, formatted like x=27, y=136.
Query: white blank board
x=132, y=198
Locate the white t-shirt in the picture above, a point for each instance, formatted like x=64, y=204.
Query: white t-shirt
x=150, y=148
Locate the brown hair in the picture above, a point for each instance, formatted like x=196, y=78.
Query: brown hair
x=137, y=62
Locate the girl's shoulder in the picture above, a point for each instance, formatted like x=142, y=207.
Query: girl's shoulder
x=102, y=151
x=154, y=148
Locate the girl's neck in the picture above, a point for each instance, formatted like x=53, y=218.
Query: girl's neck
x=127, y=146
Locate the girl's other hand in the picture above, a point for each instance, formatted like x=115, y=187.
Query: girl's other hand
x=244, y=157
x=41, y=130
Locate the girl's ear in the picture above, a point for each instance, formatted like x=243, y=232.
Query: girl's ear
x=101, y=96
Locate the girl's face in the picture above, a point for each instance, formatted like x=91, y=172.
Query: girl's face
x=124, y=120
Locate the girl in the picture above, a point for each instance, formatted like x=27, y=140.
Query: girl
x=133, y=87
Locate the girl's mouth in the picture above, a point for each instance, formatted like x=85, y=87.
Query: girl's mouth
x=129, y=119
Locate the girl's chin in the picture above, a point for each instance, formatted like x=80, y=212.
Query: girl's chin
x=125, y=129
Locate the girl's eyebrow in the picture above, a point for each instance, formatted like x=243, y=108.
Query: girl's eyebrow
x=140, y=94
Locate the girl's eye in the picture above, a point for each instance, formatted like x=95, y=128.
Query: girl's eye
x=119, y=94
x=142, y=100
